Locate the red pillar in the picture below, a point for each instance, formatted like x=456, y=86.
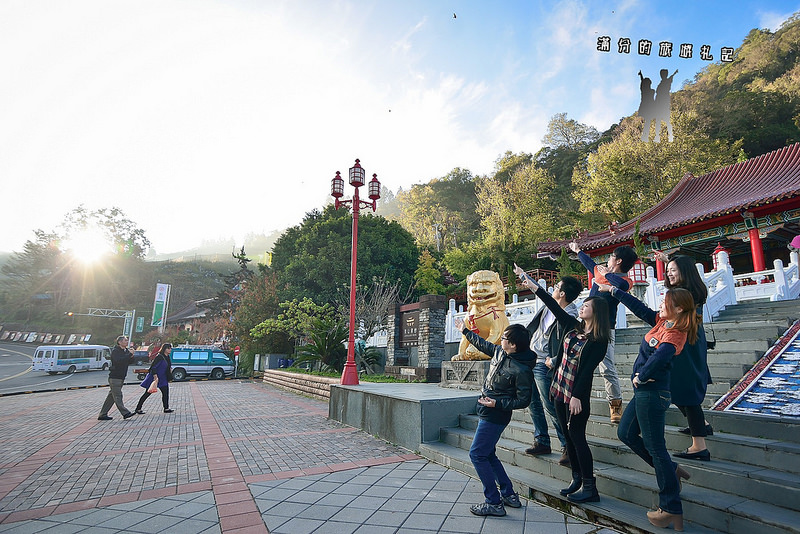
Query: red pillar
x=589, y=274
x=756, y=250
x=660, y=270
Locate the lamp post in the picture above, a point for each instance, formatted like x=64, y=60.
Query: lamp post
x=350, y=373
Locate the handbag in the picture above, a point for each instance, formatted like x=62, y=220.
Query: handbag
x=713, y=343
x=153, y=385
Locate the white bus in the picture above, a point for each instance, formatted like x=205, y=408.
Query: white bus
x=70, y=358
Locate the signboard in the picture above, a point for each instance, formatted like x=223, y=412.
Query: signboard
x=140, y=324
x=409, y=329
x=160, y=305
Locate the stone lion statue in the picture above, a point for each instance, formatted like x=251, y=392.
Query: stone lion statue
x=486, y=313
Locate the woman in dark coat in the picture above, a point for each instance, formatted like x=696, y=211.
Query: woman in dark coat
x=690, y=374
x=582, y=348
x=161, y=370
x=642, y=425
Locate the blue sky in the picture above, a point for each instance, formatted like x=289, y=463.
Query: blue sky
x=204, y=119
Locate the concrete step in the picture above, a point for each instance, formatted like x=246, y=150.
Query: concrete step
x=743, y=357
x=600, y=404
x=706, y=508
x=784, y=429
x=757, y=453
x=724, y=331
x=610, y=511
x=723, y=345
x=721, y=371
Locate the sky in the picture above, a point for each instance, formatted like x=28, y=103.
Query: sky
x=207, y=120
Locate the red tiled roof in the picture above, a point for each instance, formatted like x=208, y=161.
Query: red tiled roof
x=769, y=178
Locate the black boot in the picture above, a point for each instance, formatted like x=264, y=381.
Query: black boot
x=575, y=486
x=588, y=493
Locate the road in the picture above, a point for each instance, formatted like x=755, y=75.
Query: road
x=16, y=375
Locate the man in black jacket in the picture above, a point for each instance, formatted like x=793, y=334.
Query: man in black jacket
x=121, y=358
x=507, y=387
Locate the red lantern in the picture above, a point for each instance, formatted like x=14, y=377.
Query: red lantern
x=374, y=188
x=337, y=186
x=356, y=175
x=638, y=273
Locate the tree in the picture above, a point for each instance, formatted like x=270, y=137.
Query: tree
x=756, y=97
x=313, y=258
x=227, y=301
x=428, y=277
x=625, y=177
x=373, y=303
x=517, y=214
x=569, y=133
x=326, y=345
x=295, y=321
x=441, y=213
x=258, y=302
x=122, y=232
x=47, y=279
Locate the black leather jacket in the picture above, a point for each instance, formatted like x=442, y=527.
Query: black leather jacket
x=509, y=381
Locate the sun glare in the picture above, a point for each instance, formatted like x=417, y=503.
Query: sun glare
x=88, y=245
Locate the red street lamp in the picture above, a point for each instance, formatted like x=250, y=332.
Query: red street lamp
x=350, y=373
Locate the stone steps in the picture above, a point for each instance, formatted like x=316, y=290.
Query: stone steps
x=757, y=498
x=751, y=485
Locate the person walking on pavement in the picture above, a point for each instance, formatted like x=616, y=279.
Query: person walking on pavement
x=507, y=387
x=160, y=370
x=546, y=334
x=121, y=358
x=613, y=273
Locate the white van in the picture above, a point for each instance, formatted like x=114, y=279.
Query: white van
x=70, y=358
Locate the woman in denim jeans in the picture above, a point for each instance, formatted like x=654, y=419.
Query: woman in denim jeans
x=642, y=425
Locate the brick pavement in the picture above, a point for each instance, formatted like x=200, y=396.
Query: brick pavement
x=235, y=457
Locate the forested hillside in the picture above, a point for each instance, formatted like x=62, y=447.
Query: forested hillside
x=585, y=180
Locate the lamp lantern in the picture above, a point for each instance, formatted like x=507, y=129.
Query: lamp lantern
x=337, y=186
x=374, y=188
x=357, y=175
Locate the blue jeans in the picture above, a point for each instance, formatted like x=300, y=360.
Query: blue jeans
x=487, y=465
x=541, y=403
x=642, y=429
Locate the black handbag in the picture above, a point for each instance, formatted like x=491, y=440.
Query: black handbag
x=710, y=345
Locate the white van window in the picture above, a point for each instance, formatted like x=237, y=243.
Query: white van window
x=180, y=355
x=199, y=356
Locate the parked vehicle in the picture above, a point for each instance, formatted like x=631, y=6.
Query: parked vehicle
x=70, y=358
x=197, y=360
x=141, y=356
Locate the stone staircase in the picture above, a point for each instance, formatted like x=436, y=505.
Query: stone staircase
x=752, y=484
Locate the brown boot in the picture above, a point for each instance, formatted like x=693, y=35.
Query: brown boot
x=663, y=519
x=616, y=410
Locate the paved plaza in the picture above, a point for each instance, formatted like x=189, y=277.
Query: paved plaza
x=235, y=457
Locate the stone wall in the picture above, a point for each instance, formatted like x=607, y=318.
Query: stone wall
x=318, y=387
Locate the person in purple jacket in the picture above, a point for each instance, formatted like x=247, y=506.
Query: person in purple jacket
x=161, y=370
